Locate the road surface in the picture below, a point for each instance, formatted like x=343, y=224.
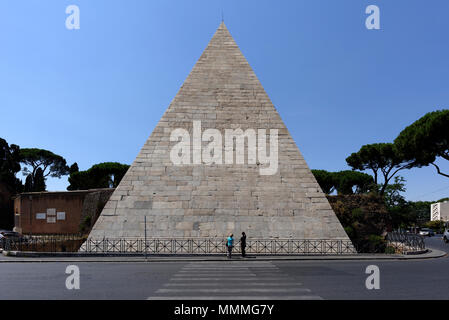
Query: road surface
x=399, y=279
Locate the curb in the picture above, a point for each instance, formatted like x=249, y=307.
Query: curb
x=14, y=256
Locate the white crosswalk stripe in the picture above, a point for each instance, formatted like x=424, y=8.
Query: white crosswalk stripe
x=235, y=281
x=217, y=284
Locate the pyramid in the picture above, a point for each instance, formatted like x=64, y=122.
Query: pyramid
x=195, y=199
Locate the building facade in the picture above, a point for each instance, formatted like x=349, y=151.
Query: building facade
x=53, y=212
x=439, y=211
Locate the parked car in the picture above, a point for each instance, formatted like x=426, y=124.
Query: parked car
x=11, y=235
x=426, y=232
x=446, y=235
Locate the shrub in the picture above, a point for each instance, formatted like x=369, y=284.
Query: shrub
x=375, y=244
x=437, y=225
x=364, y=218
x=85, y=224
x=390, y=250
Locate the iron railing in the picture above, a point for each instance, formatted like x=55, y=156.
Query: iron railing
x=178, y=246
x=217, y=246
x=42, y=244
x=400, y=242
x=405, y=242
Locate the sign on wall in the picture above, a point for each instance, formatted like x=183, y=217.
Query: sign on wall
x=40, y=216
x=51, y=219
x=51, y=215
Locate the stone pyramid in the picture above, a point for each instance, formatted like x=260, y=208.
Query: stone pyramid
x=201, y=200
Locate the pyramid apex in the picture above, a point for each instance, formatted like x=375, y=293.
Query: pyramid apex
x=204, y=197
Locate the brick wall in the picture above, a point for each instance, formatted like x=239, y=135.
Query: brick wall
x=50, y=212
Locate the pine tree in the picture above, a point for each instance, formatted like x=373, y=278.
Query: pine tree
x=28, y=183
x=39, y=181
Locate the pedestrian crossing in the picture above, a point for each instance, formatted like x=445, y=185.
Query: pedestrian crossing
x=232, y=281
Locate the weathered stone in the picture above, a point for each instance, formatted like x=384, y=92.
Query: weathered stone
x=199, y=200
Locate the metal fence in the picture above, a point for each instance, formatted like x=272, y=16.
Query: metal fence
x=46, y=243
x=400, y=242
x=405, y=242
x=178, y=246
x=217, y=246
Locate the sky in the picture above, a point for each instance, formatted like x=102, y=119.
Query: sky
x=96, y=93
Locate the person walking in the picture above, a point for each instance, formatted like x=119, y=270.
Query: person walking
x=230, y=244
x=243, y=244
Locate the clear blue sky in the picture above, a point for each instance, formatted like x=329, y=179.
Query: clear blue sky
x=95, y=94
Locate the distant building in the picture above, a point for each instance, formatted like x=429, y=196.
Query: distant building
x=439, y=211
x=60, y=212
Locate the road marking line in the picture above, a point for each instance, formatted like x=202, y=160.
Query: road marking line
x=221, y=265
x=230, y=267
x=243, y=274
x=291, y=284
x=223, y=278
x=233, y=290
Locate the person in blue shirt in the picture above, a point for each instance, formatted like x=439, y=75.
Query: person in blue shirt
x=230, y=245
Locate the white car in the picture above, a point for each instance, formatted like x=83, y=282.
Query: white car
x=426, y=232
x=446, y=235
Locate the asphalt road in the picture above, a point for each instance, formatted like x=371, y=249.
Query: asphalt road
x=399, y=279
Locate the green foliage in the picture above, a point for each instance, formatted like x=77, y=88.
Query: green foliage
x=345, y=182
x=9, y=166
x=420, y=210
x=363, y=217
x=325, y=179
x=73, y=168
x=381, y=158
x=392, y=195
x=85, y=224
x=400, y=214
x=28, y=183
x=404, y=213
x=390, y=250
x=43, y=163
x=102, y=175
x=437, y=225
x=425, y=140
x=350, y=232
x=9, y=184
x=36, y=183
x=357, y=214
x=39, y=180
x=376, y=243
